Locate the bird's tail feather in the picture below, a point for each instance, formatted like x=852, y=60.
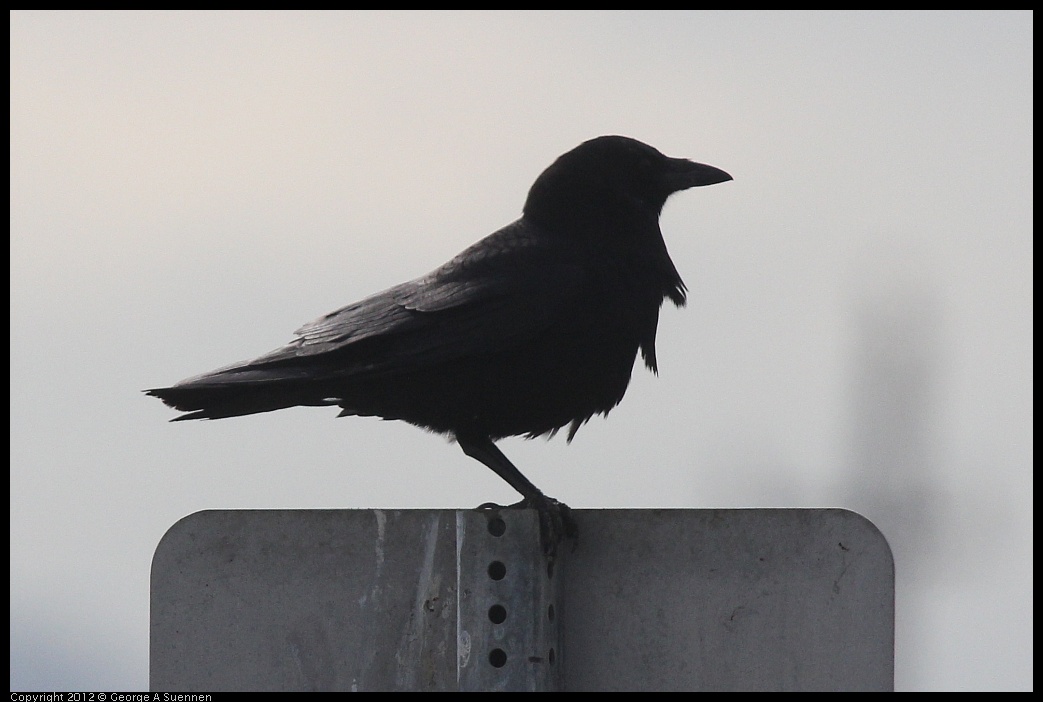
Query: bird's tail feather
x=237, y=392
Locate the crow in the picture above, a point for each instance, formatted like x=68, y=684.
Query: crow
x=535, y=327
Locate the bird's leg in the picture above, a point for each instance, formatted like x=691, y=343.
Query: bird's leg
x=556, y=520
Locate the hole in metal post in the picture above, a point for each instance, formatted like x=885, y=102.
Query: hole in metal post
x=497, y=570
x=497, y=614
x=498, y=657
x=497, y=526
x=550, y=656
x=550, y=612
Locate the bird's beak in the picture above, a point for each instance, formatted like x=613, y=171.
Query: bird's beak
x=682, y=174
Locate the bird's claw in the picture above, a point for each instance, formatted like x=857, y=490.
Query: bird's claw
x=556, y=521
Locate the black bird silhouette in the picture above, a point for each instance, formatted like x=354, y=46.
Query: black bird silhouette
x=535, y=327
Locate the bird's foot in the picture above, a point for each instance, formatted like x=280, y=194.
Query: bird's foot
x=556, y=521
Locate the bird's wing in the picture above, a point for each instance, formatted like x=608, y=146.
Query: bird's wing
x=507, y=288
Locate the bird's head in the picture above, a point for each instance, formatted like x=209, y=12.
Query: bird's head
x=612, y=179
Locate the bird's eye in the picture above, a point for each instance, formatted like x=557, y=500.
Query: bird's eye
x=645, y=169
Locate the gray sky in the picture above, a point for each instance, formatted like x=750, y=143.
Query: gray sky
x=187, y=189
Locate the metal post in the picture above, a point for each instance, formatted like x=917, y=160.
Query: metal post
x=507, y=614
